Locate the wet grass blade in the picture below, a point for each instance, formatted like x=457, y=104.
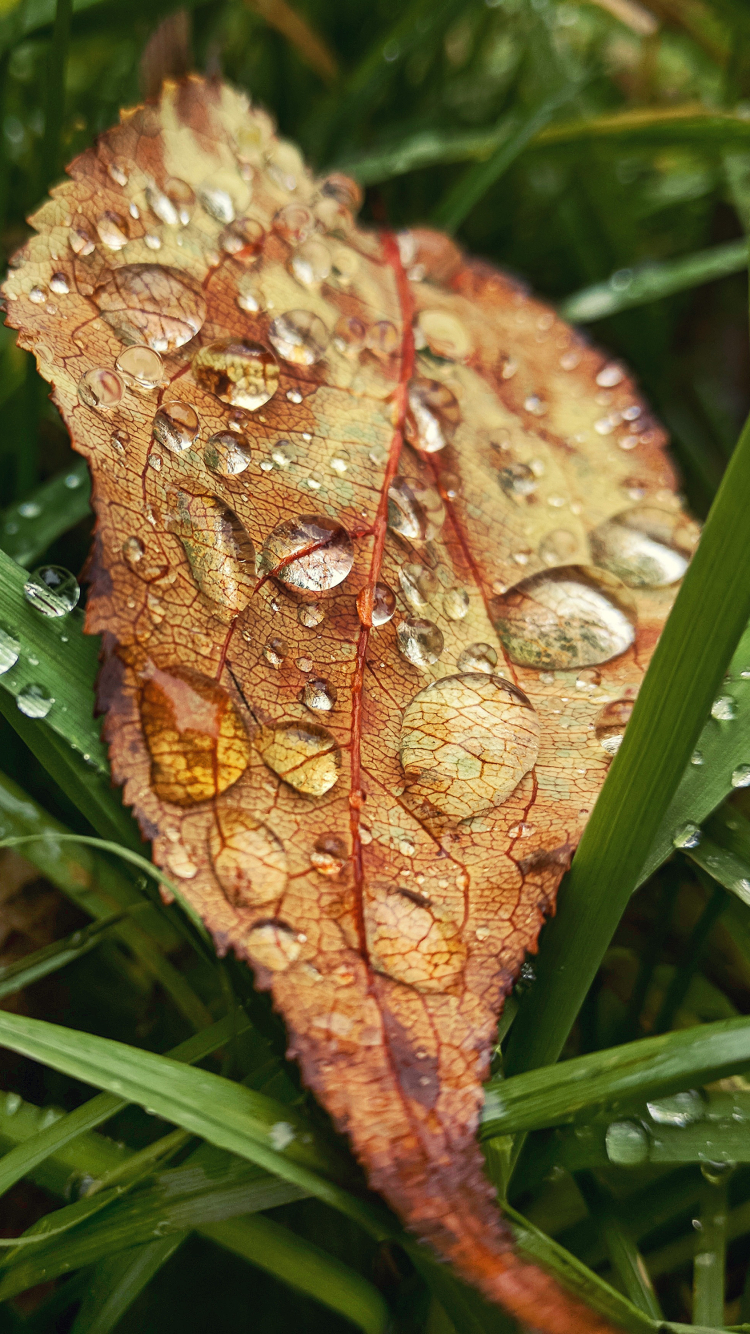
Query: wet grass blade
x=117, y=1281
x=30, y=526
x=709, y=615
x=623, y=1252
x=54, y=957
x=636, y=287
x=709, y=1264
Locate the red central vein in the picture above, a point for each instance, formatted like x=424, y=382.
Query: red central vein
x=400, y=403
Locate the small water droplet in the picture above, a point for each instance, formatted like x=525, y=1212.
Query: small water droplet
x=517, y=480
x=311, y=263
x=626, y=1143
x=217, y=202
x=140, y=366
x=313, y=481
x=219, y=551
x=310, y=614
x=113, y=230
x=687, y=836
x=243, y=240
x=52, y=590
x=716, y=1173
x=610, y=375
x=535, y=405
x=250, y=297
x=378, y=610
x=80, y=241
x=294, y=223
x=155, y=461
x=477, y=658
x=58, y=284
x=383, y=338
x=434, y=415
x=148, y=303
x=227, y=454
x=611, y=723
x=175, y=425
x=38, y=296
x=152, y=241
x=444, y=334
x=13, y=1102
x=100, y=388
x=10, y=649
x=349, y=335
x=697, y=758
x=273, y=945
x=318, y=694
x=329, y=855
x=680, y=1109
x=311, y=552
x=420, y=641
x=741, y=776
x=304, y=754
x=589, y=679
x=339, y=461
x=558, y=547
x=418, y=585
x=240, y=373
x=482, y=933
x=568, y=617
x=274, y=651
x=299, y=336
x=416, y=512
x=455, y=603
x=34, y=701
x=724, y=708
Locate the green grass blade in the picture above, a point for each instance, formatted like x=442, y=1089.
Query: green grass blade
x=54, y=103
x=624, y=1255
x=54, y=957
x=636, y=287
x=30, y=526
x=710, y=1257
x=117, y=1281
x=709, y=615
x=307, y=1268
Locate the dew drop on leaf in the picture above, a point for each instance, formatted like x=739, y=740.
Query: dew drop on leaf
x=311, y=263
x=310, y=552
x=175, y=425
x=456, y=604
x=217, y=202
x=101, y=388
x=329, y=855
x=140, y=366
x=724, y=708
x=638, y=546
x=687, y=836
x=304, y=754
x=377, y=609
x=148, y=303
x=626, y=1144
x=310, y=614
x=219, y=550
x=680, y=1109
x=299, y=336
x=558, y=547
x=434, y=415
x=610, y=724
x=383, y=338
x=113, y=231
x=52, y=590
x=420, y=641
x=238, y=372
x=445, y=335
x=58, y=284
x=274, y=651
x=517, y=480
x=249, y=860
x=741, y=776
x=243, y=240
x=349, y=335
x=418, y=585
x=226, y=454
x=568, y=617
x=34, y=701
x=477, y=658
x=273, y=945
x=589, y=679
x=415, y=512
x=318, y=695
x=294, y=223
x=10, y=649
x=196, y=739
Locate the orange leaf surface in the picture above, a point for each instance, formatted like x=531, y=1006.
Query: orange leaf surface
x=382, y=551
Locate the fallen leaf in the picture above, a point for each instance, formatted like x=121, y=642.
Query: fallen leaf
x=382, y=550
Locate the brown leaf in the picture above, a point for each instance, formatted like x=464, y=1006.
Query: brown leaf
x=383, y=549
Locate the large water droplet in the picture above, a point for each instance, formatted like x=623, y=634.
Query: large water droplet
x=238, y=372
x=415, y=511
x=688, y=835
x=148, y=303
x=175, y=425
x=329, y=855
x=299, y=336
x=34, y=701
x=419, y=641
x=434, y=415
x=627, y=1144
x=140, y=366
x=318, y=695
x=517, y=480
x=80, y=241
x=466, y=743
x=227, y=454
x=311, y=552
x=641, y=546
x=58, y=284
x=456, y=603
x=611, y=723
x=568, y=617
x=303, y=753
x=52, y=589
x=413, y=940
x=219, y=550
x=444, y=334
x=249, y=860
x=274, y=945
x=10, y=649
x=681, y=1109
x=243, y=240
x=101, y=388
x=196, y=738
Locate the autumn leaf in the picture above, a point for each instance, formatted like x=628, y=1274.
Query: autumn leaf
x=382, y=551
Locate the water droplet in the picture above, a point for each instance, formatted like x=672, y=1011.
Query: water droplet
x=310, y=614
x=274, y=651
x=227, y=454
x=219, y=550
x=303, y=753
x=517, y=480
x=273, y=945
x=294, y=223
x=419, y=641
x=455, y=604
x=243, y=240
x=34, y=701
x=641, y=546
x=535, y=405
x=299, y=336
x=610, y=375
x=466, y=743
x=175, y=425
x=217, y=202
x=318, y=695
x=196, y=738
x=416, y=512
x=687, y=836
x=249, y=860
x=313, y=481
x=349, y=335
x=10, y=649
x=58, y=284
x=140, y=366
x=383, y=338
x=444, y=334
x=155, y=461
x=724, y=708
x=558, y=547
x=716, y=1174
x=339, y=461
x=418, y=585
x=152, y=241
x=413, y=940
x=568, y=617
x=681, y=1109
x=38, y=296
x=311, y=263
x=311, y=552
x=477, y=658
x=80, y=241
x=52, y=590
x=305, y=664
x=113, y=230
x=589, y=679
x=100, y=388
x=12, y=1103
x=161, y=205
x=741, y=776
x=626, y=1143
x=380, y=609
x=434, y=415
x=329, y=855
x=238, y=372
x=697, y=758
x=148, y=303
x=611, y=723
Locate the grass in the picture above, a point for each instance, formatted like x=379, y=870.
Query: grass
x=161, y=1167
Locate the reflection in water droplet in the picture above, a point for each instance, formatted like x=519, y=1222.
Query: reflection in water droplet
x=294, y=223
x=10, y=648
x=37, y=295
x=419, y=641
x=80, y=241
x=311, y=614
x=311, y=264
x=238, y=372
x=217, y=202
x=249, y=860
x=589, y=679
x=415, y=512
x=329, y=855
x=196, y=739
x=140, y=366
x=175, y=425
x=681, y=1109
x=413, y=940
x=52, y=590
x=113, y=231
x=697, y=758
x=318, y=695
x=434, y=415
x=517, y=480
x=349, y=335
x=455, y=603
x=303, y=753
x=34, y=701
x=568, y=617
x=741, y=776
x=227, y=454
x=611, y=723
x=477, y=658
x=299, y=336
x=688, y=835
x=724, y=708
x=418, y=585
x=445, y=335
x=311, y=552
x=626, y=1143
x=219, y=551
x=466, y=743
x=58, y=284
x=273, y=945
x=148, y=303
x=382, y=608
x=339, y=461
x=645, y=547
x=100, y=388
x=558, y=547
x=243, y=240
